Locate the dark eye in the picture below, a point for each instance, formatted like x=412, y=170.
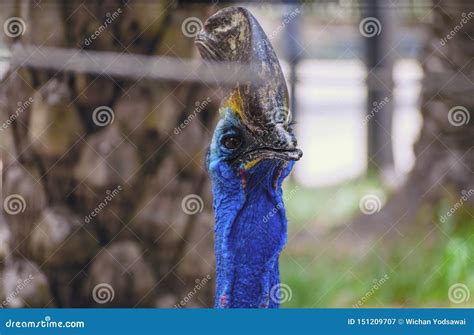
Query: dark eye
x=231, y=142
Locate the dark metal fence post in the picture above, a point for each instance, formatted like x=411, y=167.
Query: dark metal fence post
x=377, y=31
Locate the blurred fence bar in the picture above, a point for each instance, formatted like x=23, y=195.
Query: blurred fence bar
x=129, y=65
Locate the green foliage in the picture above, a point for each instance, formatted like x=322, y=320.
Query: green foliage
x=328, y=205
x=419, y=267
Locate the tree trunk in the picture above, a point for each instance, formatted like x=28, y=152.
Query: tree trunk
x=100, y=176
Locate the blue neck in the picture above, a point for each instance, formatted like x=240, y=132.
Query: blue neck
x=250, y=233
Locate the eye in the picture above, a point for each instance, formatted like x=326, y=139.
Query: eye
x=231, y=142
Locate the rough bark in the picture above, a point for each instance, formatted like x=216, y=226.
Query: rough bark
x=64, y=166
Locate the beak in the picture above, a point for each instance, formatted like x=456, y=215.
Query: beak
x=277, y=143
x=272, y=153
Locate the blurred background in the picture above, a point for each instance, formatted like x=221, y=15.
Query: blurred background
x=106, y=122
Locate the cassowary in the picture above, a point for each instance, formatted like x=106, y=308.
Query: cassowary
x=252, y=150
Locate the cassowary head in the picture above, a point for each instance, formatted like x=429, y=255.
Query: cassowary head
x=255, y=122
x=252, y=151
